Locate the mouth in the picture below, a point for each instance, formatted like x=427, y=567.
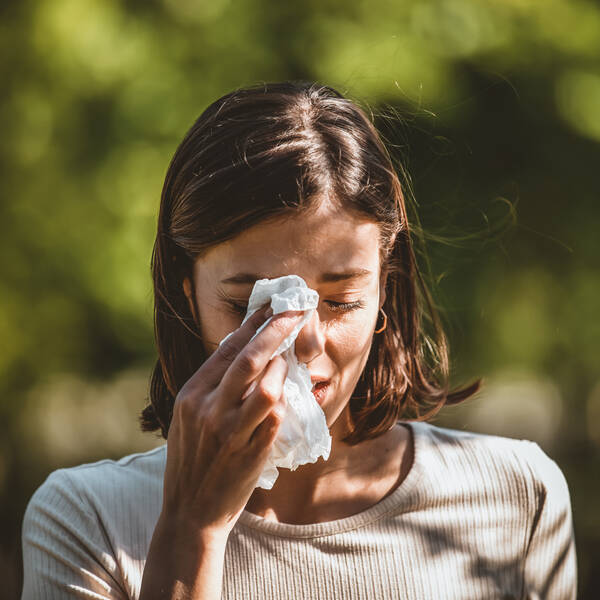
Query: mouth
x=320, y=389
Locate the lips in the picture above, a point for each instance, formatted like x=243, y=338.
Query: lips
x=318, y=381
x=320, y=388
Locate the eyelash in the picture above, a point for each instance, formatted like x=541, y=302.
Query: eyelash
x=334, y=306
x=345, y=306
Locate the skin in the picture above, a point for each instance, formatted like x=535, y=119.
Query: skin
x=335, y=344
x=227, y=415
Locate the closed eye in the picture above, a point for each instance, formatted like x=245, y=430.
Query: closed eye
x=344, y=306
x=333, y=306
x=238, y=308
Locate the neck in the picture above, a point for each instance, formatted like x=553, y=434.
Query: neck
x=351, y=480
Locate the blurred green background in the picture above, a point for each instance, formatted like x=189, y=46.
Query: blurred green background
x=498, y=107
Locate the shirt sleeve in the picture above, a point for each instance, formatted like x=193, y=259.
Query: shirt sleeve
x=550, y=562
x=65, y=554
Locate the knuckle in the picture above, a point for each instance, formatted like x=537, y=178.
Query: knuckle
x=185, y=403
x=259, y=442
x=276, y=419
x=268, y=393
x=229, y=350
x=249, y=362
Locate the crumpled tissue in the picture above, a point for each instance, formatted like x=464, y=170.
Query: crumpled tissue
x=303, y=435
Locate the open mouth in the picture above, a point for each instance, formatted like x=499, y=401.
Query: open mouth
x=319, y=390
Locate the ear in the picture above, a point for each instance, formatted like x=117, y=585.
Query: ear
x=187, y=290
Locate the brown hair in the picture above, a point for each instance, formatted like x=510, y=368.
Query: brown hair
x=264, y=152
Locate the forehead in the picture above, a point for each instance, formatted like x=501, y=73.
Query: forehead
x=307, y=244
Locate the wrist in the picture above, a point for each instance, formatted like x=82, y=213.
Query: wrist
x=184, y=560
x=184, y=530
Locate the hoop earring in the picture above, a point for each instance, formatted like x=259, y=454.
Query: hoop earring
x=384, y=322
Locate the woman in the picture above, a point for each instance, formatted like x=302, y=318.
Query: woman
x=270, y=181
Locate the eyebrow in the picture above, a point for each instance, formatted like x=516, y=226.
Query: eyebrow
x=331, y=277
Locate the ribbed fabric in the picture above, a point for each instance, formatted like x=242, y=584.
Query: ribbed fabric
x=476, y=517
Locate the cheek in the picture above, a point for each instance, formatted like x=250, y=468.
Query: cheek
x=215, y=324
x=349, y=340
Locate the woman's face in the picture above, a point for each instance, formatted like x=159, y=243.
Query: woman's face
x=337, y=254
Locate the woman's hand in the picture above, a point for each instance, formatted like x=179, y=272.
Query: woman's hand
x=225, y=420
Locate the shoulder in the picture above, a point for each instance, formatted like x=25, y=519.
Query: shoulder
x=500, y=461
x=87, y=527
x=108, y=491
x=105, y=478
x=504, y=489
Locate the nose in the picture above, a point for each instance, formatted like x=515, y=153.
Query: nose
x=311, y=340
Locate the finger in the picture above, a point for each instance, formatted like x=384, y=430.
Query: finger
x=264, y=435
x=214, y=367
x=253, y=359
x=267, y=397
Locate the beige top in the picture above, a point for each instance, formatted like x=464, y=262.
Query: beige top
x=476, y=517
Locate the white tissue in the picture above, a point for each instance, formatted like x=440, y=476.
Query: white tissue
x=303, y=435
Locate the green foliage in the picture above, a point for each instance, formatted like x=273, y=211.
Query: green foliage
x=498, y=104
